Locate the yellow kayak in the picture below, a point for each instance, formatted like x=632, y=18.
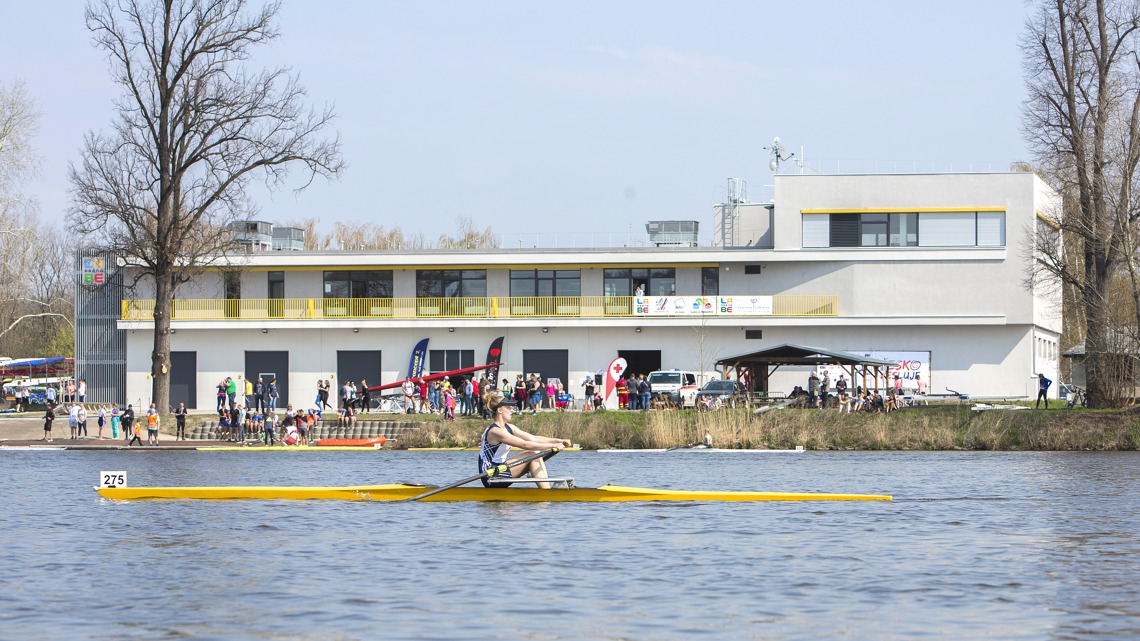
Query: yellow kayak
x=398, y=492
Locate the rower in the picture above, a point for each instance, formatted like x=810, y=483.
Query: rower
x=500, y=436
x=708, y=438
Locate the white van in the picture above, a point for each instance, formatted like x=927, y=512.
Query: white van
x=679, y=388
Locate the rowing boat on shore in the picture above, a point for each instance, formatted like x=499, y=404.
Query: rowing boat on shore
x=400, y=492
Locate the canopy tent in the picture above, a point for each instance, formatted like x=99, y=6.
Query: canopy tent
x=43, y=367
x=757, y=367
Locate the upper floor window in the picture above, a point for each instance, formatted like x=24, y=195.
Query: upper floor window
x=451, y=283
x=905, y=229
x=710, y=281
x=358, y=284
x=546, y=282
x=653, y=281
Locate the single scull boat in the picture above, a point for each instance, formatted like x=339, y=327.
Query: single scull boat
x=400, y=492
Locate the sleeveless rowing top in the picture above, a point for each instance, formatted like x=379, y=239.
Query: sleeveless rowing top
x=492, y=455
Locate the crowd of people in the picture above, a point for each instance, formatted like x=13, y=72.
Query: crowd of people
x=848, y=399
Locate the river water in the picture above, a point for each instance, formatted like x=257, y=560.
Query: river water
x=975, y=546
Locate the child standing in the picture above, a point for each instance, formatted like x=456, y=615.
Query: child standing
x=102, y=420
x=49, y=416
x=449, y=403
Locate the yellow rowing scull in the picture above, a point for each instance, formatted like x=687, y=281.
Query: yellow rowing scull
x=399, y=492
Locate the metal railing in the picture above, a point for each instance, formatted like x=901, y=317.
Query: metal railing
x=471, y=307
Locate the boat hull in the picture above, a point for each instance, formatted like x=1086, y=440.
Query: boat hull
x=399, y=492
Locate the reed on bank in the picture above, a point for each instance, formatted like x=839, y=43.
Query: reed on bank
x=935, y=427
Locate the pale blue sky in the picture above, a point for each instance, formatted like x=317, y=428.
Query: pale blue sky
x=559, y=116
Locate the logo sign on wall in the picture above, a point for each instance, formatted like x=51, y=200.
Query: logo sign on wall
x=745, y=305
x=94, y=271
x=702, y=305
x=908, y=366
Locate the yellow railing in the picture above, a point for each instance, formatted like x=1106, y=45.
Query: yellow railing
x=474, y=307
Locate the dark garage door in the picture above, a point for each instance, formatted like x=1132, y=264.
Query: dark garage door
x=184, y=379
x=266, y=364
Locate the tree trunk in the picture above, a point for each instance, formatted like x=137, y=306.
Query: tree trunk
x=160, y=355
x=1097, y=371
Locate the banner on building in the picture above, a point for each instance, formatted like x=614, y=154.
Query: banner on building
x=94, y=271
x=702, y=305
x=908, y=365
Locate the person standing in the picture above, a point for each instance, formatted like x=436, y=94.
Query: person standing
x=272, y=392
x=1043, y=391
x=365, y=396
x=231, y=391
x=589, y=383
x=259, y=395
x=270, y=423
x=81, y=421
x=49, y=395
x=622, y=394
x=102, y=420
x=409, y=390
x=645, y=391
x=152, y=426
x=248, y=396
x=921, y=384
x=128, y=423
x=180, y=421
x=115, y=422
x=427, y=396
x=83, y=390
x=49, y=416
x=824, y=388
x=813, y=389
x=70, y=396
x=221, y=395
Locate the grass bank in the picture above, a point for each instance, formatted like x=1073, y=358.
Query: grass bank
x=937, y=427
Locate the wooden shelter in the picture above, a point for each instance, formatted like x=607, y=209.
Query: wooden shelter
x=757, y=367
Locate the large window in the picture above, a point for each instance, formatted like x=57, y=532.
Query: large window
x=905, y=229
x=358, y=284
x=710, y=281
x=451, y=283
x=546, y=282
x=654, y=281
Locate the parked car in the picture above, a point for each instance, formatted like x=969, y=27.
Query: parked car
x=675, y=388
x=726, y=393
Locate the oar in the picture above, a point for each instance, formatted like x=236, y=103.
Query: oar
x=543, y=454
x=683, y=447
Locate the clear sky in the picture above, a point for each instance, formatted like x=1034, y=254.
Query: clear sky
x=560, y=116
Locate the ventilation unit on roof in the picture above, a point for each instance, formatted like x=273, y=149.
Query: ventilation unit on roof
x=673, y=233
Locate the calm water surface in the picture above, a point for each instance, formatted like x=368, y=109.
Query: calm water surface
x=976, y=545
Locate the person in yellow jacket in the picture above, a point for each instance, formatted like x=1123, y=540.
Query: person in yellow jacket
x=152, y=426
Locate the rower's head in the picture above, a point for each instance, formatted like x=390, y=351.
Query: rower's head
x=498, y=404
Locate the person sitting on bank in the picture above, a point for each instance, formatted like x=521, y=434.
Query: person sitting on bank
x=500, y=436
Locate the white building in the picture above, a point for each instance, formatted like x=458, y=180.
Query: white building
x=924, y=268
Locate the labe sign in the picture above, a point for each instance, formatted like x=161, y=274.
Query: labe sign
x=93, y=271
x=702, y=305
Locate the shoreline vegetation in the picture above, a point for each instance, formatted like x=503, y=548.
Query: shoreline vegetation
x=934, y=427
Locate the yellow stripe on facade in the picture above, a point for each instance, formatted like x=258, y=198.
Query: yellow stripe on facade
x=903, y=210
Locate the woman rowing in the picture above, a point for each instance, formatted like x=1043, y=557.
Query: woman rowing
x=500, y=436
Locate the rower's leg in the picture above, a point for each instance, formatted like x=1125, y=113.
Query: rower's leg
x=537, y=470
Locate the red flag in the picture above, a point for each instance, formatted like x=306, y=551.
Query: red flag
x=613, y=373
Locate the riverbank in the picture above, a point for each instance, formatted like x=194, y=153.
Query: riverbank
x=934, y=427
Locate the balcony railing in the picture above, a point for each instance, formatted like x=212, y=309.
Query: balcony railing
x=475, y=307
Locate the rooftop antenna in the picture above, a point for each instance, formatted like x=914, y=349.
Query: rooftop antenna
x=780, y=154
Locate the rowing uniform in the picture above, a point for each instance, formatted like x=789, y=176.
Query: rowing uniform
x=492, y=455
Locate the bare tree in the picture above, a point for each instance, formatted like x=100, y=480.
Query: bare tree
x=194, y=128
x=36, y=309
x=19, y=122
x=1082, y=120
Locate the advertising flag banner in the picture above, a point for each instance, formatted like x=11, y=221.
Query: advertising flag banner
x=418, y=360
x=614, y=372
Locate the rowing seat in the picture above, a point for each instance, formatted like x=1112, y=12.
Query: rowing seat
x=563, y=483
